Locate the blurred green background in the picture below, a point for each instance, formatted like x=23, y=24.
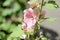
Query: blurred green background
x=11, y=15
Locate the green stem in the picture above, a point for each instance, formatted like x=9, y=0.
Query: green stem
x=40, y=14
x=28, y=36
x=37, y=26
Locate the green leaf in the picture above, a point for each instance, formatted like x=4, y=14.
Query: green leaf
x=51, y=19
x=44, y=38
x=7, y=27
x=12, y=26
x=2, y=19
x=16, y=38
x=51, y=4
x=2, y=35
x=7, y=2
x=6, y=12
x=15, y=7
x=17, y=32
x=1, y=9
x=33, y=0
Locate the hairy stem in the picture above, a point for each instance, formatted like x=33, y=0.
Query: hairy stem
x=37, y=26
x=40, y=14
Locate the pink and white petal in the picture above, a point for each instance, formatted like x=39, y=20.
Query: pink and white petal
x=43, y=13
x=24, y=26
x=23, y=36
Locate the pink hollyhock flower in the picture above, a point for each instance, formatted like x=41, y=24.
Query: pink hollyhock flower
x=33, y=3
x=30, y=19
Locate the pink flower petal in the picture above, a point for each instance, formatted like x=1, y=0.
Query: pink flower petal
x=24, y=26
x=29, y=19
x=43, y=14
